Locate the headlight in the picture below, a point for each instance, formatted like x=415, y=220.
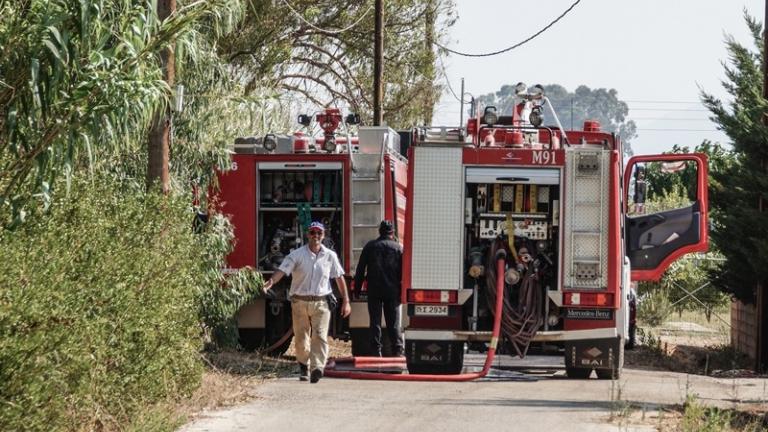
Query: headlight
x=270, y=142
x=489, y=116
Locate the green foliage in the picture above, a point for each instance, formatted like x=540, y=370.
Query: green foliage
x=79, y=82
x=573, y=108
x=98, y=309
x=223, y=295
x=699, y=418
x=277, y=49
x=692, y=274
x=719, y=160
x=740, y=228
x=654, y=306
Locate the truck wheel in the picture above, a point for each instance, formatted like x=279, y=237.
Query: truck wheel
x=578, y=373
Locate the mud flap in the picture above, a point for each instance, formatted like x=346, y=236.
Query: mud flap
x=599, y=354
x=434, y=357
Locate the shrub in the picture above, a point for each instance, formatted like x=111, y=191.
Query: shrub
x=99, y=306
x=222, y=295
x=653, y=307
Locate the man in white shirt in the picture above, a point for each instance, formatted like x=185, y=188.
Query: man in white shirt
x=311, y=267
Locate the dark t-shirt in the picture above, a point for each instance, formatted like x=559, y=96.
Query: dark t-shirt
x=381, y=265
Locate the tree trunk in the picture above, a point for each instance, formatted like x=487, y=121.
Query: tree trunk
x=160, y=132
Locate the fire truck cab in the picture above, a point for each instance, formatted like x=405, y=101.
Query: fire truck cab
x=558, y=203
x=279, y=184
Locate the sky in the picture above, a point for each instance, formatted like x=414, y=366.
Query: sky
x=657, y=54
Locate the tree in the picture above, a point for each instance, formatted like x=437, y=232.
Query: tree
x=78, y=84
x=719, y=160
x=298, y=47
x=740, y=227
x=574, y=108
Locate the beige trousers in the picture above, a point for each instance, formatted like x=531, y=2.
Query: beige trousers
x=310, y=330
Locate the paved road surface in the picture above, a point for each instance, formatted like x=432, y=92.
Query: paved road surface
x=512, y=401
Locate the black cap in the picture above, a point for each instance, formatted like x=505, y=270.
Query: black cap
x=386, y=228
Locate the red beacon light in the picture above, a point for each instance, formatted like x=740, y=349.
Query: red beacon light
x=591, y=126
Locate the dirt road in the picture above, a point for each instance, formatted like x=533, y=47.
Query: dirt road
x=513, y=400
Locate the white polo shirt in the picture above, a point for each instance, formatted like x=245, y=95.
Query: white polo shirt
x=311, y=273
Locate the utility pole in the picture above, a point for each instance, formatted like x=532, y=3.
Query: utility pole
x=378, y=63
x=160, y=132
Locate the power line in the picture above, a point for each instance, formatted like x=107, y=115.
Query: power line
x=332, y=32
x=515, y=45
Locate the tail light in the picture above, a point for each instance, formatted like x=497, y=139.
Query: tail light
x=588, y=299
x=432, y=296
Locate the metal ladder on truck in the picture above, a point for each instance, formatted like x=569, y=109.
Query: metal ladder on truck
x=586, y=220
x=367, y=191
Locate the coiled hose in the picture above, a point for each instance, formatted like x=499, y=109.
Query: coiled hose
x=519, y=322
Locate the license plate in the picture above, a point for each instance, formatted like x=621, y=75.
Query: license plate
x=431, y=310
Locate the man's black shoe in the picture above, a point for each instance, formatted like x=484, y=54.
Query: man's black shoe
x=316, y=375
x=303, y=372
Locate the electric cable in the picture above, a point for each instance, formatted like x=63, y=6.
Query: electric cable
x=331, y=32
x=448, y=83
x=530, y=38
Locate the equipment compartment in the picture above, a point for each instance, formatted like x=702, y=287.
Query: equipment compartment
x=289, y=200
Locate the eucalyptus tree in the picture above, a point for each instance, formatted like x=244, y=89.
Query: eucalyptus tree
x=79, y=82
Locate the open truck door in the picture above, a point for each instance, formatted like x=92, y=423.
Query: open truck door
x=665, y=199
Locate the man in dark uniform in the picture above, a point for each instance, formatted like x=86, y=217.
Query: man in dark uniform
x=381, y=266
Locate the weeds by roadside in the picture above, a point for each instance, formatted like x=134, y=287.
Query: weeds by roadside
x=697, y=417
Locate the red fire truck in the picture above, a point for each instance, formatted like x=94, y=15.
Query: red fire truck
x=278, y=184
x=572, y=218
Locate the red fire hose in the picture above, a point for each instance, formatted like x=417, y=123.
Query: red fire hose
x=372, y=362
